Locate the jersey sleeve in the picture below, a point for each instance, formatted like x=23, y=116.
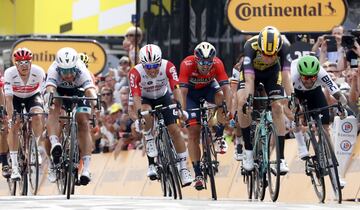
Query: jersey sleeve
x=134, y=80
x=249, y=54
x=284, y=55
x=326, y=81
x=221, y=75
x=184, y=74
x=52, y=77
x=172, y=75
x=7, y=83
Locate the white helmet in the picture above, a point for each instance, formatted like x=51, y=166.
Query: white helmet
x=150, y=53
x=66, y=58
x=205, y=50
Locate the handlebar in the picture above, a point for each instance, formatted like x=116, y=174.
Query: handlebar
x=157, y=109
x=74, y=99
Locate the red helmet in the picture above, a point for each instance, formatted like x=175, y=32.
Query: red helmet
x=22, y=54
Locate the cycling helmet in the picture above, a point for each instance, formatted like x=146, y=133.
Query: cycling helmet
x=205, y=50
x=308, y=65
x=66, y=58
x=84, y=58
x=269, y=40
x=22, y=54
x=150, y=54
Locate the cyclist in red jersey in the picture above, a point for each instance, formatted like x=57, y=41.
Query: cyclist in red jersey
x=203, y=75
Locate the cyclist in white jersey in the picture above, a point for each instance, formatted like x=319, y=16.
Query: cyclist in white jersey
x=69, y=76
x=149, y=88
x=309, y=77
x=23, y=83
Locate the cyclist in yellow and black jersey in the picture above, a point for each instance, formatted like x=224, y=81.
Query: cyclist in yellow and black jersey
x=267, y=61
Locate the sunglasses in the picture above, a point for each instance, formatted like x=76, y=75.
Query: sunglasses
x=312, y=78
x=269, y=56
x=205, y=63
x=23, y=63
x=64, y=71
x=106, y=94
x=151, y=65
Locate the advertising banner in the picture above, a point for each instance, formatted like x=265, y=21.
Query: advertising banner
x=44, y=51
x=286, y=15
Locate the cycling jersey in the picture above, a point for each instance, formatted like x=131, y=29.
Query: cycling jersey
x=15, y=86
x=253, y=57
x=190, y=77
x=82, y=79
x=1, y=82
x=323, y=79
x=153, y=88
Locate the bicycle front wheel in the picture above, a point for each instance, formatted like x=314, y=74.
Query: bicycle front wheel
x=173, y=169
x=313, y=168
x=273, y=152
x=332, y=166
x=33, y=165
x=210, y=164
x=71, y=170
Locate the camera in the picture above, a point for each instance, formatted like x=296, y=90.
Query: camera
x=348, y=41
x=331, y=43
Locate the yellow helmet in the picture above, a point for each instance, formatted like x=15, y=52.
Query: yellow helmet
x=269, y=40
x=84, y=58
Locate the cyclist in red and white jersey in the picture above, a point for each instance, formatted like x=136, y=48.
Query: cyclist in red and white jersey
x=203, y=75
x=23, y=83
x=149, y=88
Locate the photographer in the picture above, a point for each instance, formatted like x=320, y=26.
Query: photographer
x=328, y=48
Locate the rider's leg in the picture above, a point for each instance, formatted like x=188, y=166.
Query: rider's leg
x=85, y=145
x=53, y=129
x=4, y=150
x=180, y=147
x=13, y=143
x=221, y=121
x=244, y=122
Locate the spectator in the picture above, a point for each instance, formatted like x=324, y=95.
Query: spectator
x=106, y=97
x=124, y=98
x=132, y=43
x=321, y=48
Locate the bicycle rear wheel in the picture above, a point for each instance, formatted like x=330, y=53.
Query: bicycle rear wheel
x=331, y=165
x=33, y=165
x=313, y=169
x=273, y=152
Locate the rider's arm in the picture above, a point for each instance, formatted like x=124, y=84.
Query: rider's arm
x=184, y=75
x=135, y=90
x=223, y=81
x=174, y=82
x=285, y=63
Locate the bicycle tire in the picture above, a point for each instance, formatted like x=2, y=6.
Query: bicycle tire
x=249, y=180
x=209, y=169
x=259, y=167
x=23, y=183
x=33, y=165
x=312, y=167
x=172, y=163
x=70, y=173
x=331, y=165
x=61, y=172
x=273, y=160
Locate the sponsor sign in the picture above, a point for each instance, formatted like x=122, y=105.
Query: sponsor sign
x=44, y=51
x=286, y=15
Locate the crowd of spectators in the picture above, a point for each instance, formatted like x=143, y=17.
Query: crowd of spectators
x=116, y=129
